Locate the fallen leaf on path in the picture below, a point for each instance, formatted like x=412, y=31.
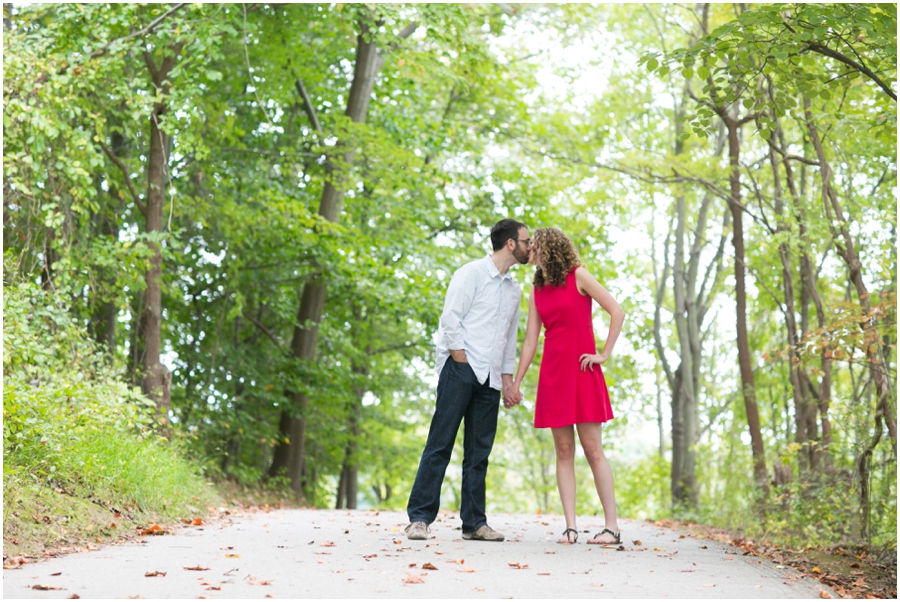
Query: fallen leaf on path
x=74, y=597
x=597, y=584
x=516, y=565
x=55, y=574
x=824, y=594
x=465, y=570
x=45, y=587
x=816, y=569
x=429, y=566
x=232, y=555
x=543, y=573
x=659, y=549
x=367, y=556
x=687, y=570
x=228, y=572
x=153, y=529
x=410, y=578
x=327, y=544
x=339, y=571
x=197, y=522
x=460, y=561
x=412, y=565
x=254, y=581
x=729, y=558
x=14, y=562
x=155, y=574
x=636, y=542
x=709, y=585
x=196, y=568
x=398, y=542
x=214, y=588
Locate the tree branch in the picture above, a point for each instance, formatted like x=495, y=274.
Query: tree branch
x=126, y=176
x=141, y=32
x=264, y=330
x=308, y=107
x=824, y=50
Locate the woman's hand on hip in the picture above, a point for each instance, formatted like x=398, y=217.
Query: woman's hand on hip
x=589, y=360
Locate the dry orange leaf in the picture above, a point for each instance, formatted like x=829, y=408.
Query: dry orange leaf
x=460, y=561
x=516, y=565
x=410, y=578
x=46, y=587
x=398, y=542
x=155, y=574
x=214, y=588
x=153, y=529
x=824, y=594
x=339, y=571
x=196, y=568
x=327, y=544
x=74, y=597
x=429, y=566
x=232, y=555
x=465, y=570
x=816, y=569
x=636, y=542
x=197, y=522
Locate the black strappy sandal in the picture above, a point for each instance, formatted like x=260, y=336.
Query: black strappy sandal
x=566, y=535
x=616, y=534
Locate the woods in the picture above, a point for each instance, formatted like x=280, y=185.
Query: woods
x=254, y=211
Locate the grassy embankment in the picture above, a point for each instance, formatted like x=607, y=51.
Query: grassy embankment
x=81, y=465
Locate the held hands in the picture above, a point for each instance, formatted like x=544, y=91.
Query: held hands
x=589, y=360
x=512, y=396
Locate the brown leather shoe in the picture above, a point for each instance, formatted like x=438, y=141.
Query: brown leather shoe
x=484, y=533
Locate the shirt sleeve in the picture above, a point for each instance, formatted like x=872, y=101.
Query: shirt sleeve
x=457, y=302
x=509, y=353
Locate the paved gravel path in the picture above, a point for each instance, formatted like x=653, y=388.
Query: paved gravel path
x=365, y=554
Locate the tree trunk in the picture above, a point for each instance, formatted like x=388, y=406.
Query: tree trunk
x=312, y=300
x=844, y=243
x=799, y=385
x=156, y=377
x=809, y=292
x=846, y=248
x=743, y=343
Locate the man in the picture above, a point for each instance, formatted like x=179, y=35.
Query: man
x=476, y=355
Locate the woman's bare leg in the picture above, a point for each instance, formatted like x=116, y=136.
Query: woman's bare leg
x=564, y=443
x=591, y=436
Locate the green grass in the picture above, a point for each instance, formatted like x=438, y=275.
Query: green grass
x=81, y=463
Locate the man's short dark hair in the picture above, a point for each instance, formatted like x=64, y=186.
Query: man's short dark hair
x=503, y=231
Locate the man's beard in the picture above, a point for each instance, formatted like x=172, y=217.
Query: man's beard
x=521, y=257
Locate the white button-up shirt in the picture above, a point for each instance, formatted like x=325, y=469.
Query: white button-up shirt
x=481, y=316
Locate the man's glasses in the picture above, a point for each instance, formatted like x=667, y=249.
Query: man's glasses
x=527, y=241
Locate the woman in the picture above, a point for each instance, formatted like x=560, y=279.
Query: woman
x=571, y=389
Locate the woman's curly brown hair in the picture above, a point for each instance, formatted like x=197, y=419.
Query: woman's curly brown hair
x=557, y=256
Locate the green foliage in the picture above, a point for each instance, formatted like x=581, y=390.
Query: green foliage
x=70, y=423
x=485, y=111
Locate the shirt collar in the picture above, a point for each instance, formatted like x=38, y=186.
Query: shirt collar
x=493, y=271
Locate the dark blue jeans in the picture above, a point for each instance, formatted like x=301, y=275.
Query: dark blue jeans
x=459, y=397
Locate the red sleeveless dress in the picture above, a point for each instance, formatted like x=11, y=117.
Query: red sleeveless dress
x=565, y=394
